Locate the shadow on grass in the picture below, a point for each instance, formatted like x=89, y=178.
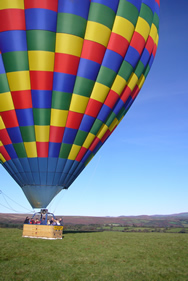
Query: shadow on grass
x=79, y=231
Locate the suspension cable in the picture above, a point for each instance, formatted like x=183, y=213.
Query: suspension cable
x=60, y=199
x=8, y=208
x=4, y=195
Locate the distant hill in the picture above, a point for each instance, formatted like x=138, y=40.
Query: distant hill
x=174, y=220
x=180, y=215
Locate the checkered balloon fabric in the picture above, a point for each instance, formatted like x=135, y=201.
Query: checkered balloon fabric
x=69, y=72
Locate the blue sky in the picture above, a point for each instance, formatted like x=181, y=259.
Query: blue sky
x=143, y=166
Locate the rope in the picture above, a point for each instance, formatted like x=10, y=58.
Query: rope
x=8, y=204
x=2, y=193
x=7, y=207
x=60, y=199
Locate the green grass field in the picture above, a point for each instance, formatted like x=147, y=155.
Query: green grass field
x=94, y=256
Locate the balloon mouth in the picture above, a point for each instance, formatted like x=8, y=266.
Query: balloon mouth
x=40, y=196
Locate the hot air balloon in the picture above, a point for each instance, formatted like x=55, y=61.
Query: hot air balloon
x=69, y=72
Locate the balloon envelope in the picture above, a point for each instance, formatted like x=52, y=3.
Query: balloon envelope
x=69, y=71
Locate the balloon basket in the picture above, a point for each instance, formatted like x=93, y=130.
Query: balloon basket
x=42, y=230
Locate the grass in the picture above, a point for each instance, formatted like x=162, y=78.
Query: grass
x=144, y=229
x=94, y=256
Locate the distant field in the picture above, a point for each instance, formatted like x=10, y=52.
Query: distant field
x=94, y=256
x=178, y=220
